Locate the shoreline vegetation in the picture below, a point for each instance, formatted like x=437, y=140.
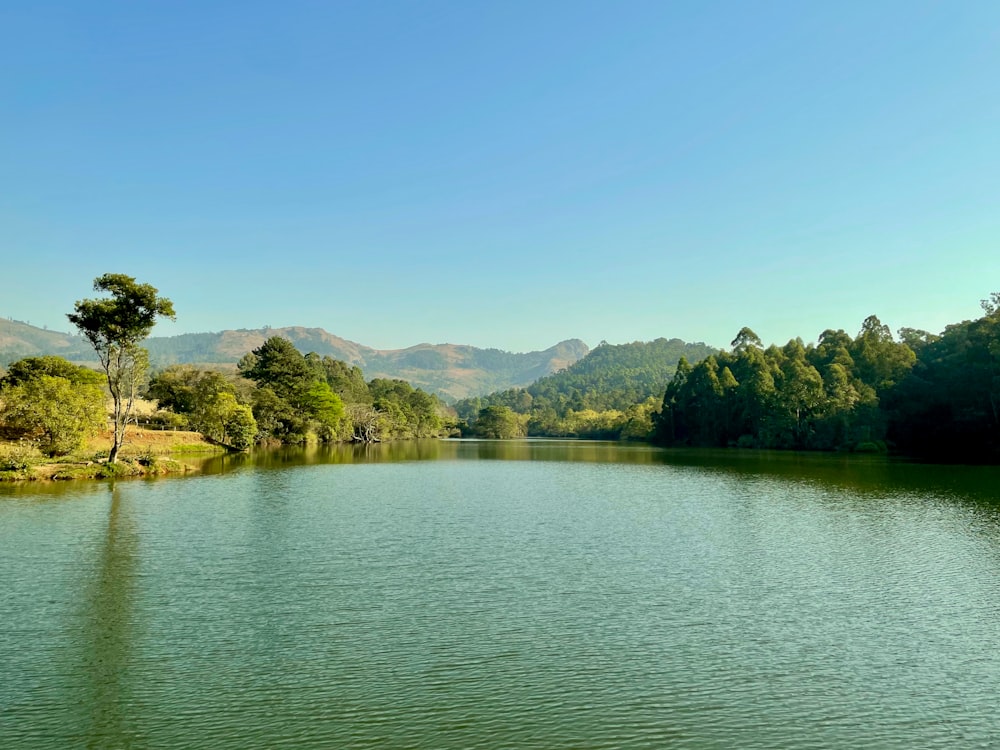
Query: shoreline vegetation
x=52, y=408
x=145, y=453
x=926, y=396
x=931, y=397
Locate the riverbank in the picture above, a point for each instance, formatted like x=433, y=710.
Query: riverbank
x=145, y=453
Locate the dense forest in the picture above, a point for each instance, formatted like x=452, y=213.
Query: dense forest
x=927, y=395
x=935, y=396
x=611, y=393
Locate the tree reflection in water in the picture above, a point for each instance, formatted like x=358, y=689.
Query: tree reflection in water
x=109, y=631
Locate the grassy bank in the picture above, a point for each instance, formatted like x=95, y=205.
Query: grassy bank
x=145, y=453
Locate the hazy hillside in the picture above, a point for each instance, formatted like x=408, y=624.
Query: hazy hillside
x=19, y=339
x=452, y=371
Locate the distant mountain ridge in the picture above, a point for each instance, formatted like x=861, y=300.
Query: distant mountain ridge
x=452, y=371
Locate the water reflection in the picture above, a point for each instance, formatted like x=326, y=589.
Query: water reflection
x=863, y=474
x=873, y=476
x=866, y=475
x=343, y=453
x=604, y=596
x=108, y=631
x=437, y=450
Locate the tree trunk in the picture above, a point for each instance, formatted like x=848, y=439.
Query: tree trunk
x=117, y=434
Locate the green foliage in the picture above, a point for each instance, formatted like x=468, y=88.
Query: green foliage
x=407, y=412
x=18, y=458
x=293, y=402
x=182, y=388
x=282, y=405
x=117, y=470
x=815, y=397
x=303, y=397
x=345, y=380
x=592, y=397
x=125, y=318
x=212, y=413
x=948, y=406
x=280, y=366
x=746, y=339
x=499, y=422
x=240, y=427
x=879, y=361
x=32, y=367
x=55, y=412
x=325, y=408
x=208, y=401
x=638, y=420
x=276, y=419
x=114, y=326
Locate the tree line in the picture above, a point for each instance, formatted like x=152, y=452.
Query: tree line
x=934, y=396
x=929, y=395
x=821, y=396
x=277, y=394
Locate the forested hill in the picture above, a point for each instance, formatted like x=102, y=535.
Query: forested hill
x=606, y=383
x=616, y=376
x=449, y=370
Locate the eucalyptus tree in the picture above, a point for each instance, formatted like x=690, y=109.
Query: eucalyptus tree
x=879, y=361
x=115, y=326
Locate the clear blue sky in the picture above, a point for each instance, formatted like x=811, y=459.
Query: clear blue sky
x=504, y=174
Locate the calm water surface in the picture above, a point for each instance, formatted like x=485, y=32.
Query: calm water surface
x=505, y=595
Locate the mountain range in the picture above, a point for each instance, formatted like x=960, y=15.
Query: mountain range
x=452, y=371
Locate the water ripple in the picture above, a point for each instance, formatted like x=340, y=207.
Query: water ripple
x=495, y=604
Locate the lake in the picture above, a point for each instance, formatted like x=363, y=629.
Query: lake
x=528, y=594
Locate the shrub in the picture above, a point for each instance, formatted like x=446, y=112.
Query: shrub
x=58, y=412
x=18, y=458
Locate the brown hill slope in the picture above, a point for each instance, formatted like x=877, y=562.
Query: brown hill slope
x=452, y=371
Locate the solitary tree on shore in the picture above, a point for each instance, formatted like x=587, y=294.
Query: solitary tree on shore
x=114, y=326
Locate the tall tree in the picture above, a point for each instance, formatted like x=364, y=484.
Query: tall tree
x=746, y=339
x=800, y=396
x=880, y=361
x=115, y=326
x=279, y=365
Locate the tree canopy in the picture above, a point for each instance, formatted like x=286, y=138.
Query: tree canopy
x=114, y=326
x=52, y=403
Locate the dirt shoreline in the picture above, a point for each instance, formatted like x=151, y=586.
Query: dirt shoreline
x=144, y=453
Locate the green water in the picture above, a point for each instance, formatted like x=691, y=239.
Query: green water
x=538, y=594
